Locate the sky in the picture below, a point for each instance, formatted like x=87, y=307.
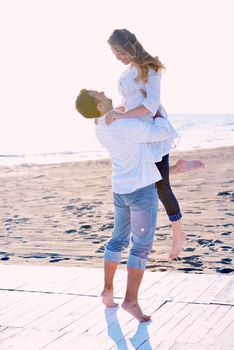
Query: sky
x=50, y=49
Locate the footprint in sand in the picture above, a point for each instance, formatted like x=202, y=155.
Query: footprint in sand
x=107, y=227
x=71, y=231
x=5, y=258
x=226, y=261
x=189, y=249
x=224, y=270
x=217, y=241
x=97, y=241
x=58, y=260
x=194, y=260
x=101, y=249
x=226, y=247
x=190, y=269
x=227, y=233
x=224, y=193
x=205, y=242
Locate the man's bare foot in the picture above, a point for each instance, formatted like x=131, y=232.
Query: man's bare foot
x=183, y=165
x=134, y=309
x=177, y=245
x=107, y=298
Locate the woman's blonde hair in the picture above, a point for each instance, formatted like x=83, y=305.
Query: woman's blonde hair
x=125, y=42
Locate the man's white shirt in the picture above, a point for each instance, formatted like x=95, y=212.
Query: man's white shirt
x=129, y=143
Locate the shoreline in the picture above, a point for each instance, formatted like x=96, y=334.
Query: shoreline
x=62, y=214
x=174, y=152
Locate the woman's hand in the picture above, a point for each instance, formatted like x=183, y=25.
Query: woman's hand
x=111, y=116
x=120, y=109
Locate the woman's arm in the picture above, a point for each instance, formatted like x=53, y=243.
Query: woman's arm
x=120, y=109
x=135, y=112
x=150, y=102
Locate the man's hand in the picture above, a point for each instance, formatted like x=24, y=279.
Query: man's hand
x=111, y=116
x=96, y=121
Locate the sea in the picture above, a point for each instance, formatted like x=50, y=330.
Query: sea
x=75, y=141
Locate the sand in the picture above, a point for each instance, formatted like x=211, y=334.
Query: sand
x=63, y=215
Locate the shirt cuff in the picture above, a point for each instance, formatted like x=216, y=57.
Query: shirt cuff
x=151, y=106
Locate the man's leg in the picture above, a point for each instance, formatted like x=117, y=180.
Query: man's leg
x=108, y=291
x=119, y=240
x=143, y=206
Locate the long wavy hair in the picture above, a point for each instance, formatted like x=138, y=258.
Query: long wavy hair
x=125, y=42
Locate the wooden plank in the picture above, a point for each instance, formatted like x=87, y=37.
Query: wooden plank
x=78, y=342
x=203, y=326
x=177, y=324
x=62, y=315
x=217, y=330
x=180, y=346
x=131, y=328
x=10, y=277
x=114, y=317
x=34, y=306
x=196, y=329
x=64, y=310
x=68, y=316
x=86, y=282
x=35, y=278
x=119, y=284
x=227, y=337
x=28, y=339
x=185, y=284
x=161, y=288
x=195, y=288
x=7, y=332
x=226, y=296
x=10, y=299
x=214, y=289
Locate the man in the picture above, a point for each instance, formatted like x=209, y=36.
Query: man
x=135, y=198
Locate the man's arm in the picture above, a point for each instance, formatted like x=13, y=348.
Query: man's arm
x=139, y=131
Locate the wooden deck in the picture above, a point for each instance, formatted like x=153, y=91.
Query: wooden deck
x=48, y=307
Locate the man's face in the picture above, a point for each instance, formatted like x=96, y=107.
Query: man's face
x=101, y=98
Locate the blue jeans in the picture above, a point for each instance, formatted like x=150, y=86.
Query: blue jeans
x=135, y=218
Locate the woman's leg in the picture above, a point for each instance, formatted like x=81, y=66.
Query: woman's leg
x=171, y=206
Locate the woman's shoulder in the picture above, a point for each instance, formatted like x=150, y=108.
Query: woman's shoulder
x=153, y=72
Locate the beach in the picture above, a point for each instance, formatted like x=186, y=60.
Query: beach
x=62, y=214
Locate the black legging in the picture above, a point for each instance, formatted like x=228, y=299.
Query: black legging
x=165, y=193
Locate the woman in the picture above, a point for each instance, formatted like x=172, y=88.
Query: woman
x=139, y=86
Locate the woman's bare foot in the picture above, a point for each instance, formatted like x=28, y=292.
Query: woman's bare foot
x=108, y=299
x=177, y=245
x=183, y=165
x=134, y=309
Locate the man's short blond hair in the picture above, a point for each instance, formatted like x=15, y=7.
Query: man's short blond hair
x=86, y=105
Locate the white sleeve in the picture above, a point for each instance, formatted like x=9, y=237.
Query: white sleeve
x=138, y=131
x=152, y=88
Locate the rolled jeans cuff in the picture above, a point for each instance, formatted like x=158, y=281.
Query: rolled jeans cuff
x=136, y=262
x=175, y=217
x=112, y=256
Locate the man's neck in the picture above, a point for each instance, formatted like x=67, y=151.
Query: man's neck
x=105, y=110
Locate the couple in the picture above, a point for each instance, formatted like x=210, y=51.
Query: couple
x=135, y=145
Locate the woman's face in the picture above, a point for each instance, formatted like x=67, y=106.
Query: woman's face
x=120, y=56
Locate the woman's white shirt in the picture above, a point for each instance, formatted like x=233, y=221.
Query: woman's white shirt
x=132, y=97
